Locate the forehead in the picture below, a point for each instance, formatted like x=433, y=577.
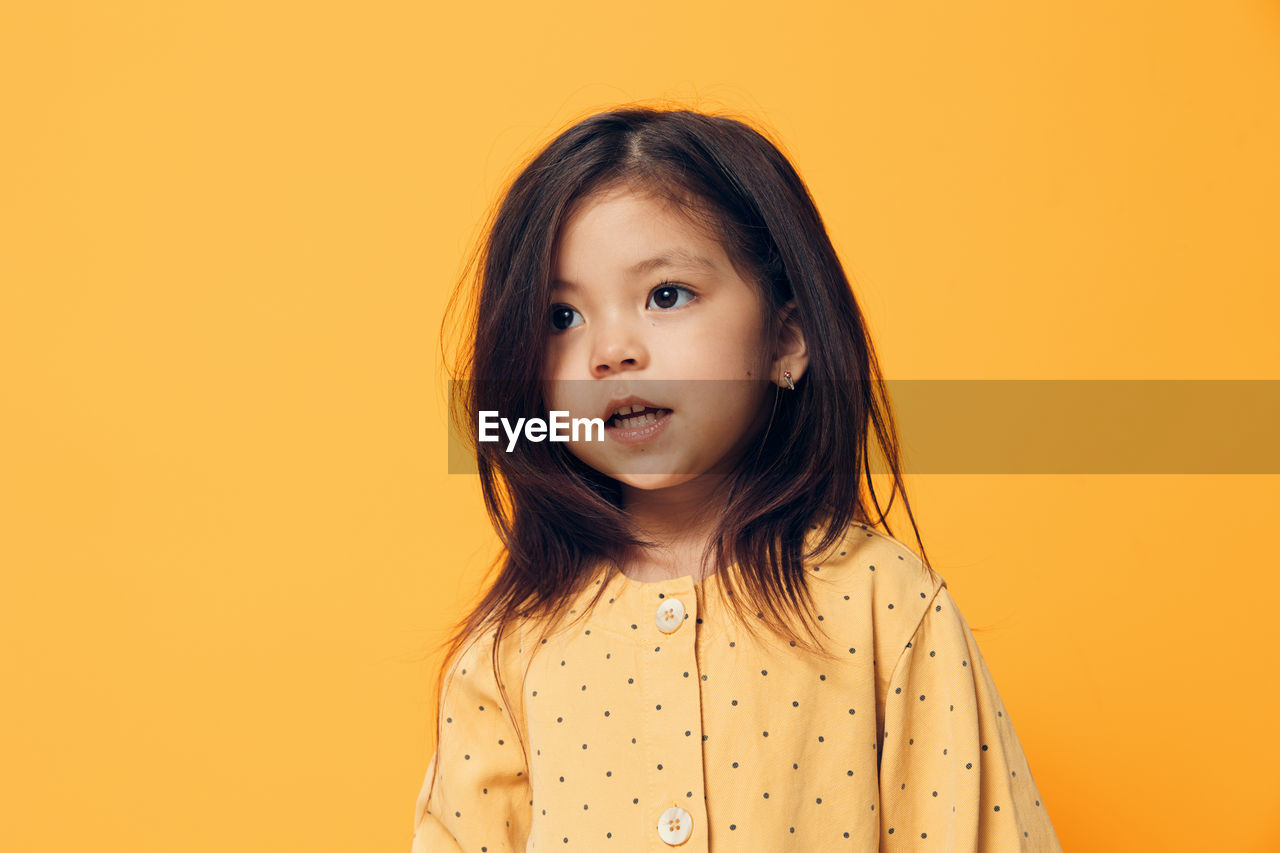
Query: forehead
x=626, y=230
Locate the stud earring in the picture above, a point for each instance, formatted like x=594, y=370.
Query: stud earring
x=786, y=375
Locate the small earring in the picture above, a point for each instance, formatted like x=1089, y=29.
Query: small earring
x=786, y=375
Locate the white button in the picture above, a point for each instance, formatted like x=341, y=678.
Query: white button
x=670, y=614
x=675, y=826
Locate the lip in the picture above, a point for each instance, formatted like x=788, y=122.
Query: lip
x=640, y=434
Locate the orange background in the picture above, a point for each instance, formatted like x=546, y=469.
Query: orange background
x=227, y=533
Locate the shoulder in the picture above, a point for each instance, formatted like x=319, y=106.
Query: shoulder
x=884, y=592
x=881, y=575
x=866, y=557
x=485, y=664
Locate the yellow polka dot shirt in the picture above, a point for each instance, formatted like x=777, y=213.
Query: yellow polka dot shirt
x=658, y=723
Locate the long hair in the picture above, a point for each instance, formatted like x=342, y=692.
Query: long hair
x=792, y=497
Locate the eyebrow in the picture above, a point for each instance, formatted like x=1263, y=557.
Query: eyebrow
x=670, y=258
x=674, y=258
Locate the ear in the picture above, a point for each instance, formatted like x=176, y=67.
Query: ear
x=790, y=352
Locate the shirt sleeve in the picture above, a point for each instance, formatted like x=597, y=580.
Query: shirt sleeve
x=953, y=775
x=481, y=797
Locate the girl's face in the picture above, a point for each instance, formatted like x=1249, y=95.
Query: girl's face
x=647, y=309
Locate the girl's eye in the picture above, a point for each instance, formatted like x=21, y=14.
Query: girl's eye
x=562, y=317
x=669, y=295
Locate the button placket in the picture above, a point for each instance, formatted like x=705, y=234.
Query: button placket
x=673, y=715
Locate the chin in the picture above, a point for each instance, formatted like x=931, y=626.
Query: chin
x=653, y=482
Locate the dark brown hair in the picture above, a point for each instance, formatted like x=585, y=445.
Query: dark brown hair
x=559, y=519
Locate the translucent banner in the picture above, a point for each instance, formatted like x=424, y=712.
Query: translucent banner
x=964, y=426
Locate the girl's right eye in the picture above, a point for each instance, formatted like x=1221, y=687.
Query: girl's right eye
x=562, y=317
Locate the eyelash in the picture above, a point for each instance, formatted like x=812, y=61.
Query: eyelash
x=675, y=285
x=693, y=294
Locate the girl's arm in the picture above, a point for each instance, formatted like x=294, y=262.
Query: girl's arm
x=952, y=770
x=429, y=834
x=481, y=797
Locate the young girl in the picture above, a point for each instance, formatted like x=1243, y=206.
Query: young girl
x=697, y=638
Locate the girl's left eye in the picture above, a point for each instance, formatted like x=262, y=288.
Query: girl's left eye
x=668, y=295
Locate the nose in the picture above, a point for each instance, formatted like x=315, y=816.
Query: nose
x=617, y=347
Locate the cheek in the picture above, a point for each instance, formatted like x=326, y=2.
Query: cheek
x=742, y=354
x=574, y=396
x=725, y=405
x=556, y=391
x=556, y=394
x=718, y=350
x=554, y=361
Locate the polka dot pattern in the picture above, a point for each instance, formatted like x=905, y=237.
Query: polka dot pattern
x=899, y=741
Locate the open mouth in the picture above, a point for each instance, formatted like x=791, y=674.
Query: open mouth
x=632, y=417
x=637, y=424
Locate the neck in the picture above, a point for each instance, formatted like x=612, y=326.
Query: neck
x=680, y=521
